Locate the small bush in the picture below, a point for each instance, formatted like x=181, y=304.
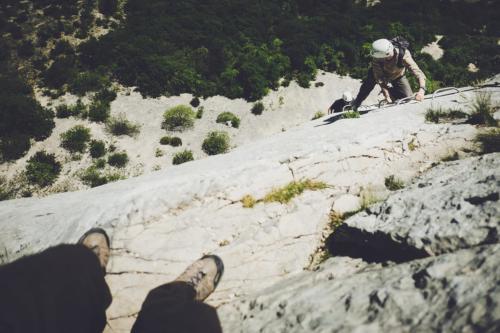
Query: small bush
x=65, y=111
x=165, y=140
x=121, y=126
x=100, y=163
x=182, y=157
x=195, y=102
x=99, y=111
x=105, y=95
x=92, y=177
x=199, y=113
x=248, y=201
x=351, y=115
x=393, y=184
x=318, y=115
x=42, y=169
x=216, y=143
x=225, y=117
x=482, y=110
x=118, y=160
x=175, y=141
x=178, y=118
x=489, y=141
x=291, y=190
x=258, y=108
x=97, y=148
x=75, y=139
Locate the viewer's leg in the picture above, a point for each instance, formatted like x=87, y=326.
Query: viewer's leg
x=177, y=306
x=400, y=88
x=365, y=90
x=61, y=289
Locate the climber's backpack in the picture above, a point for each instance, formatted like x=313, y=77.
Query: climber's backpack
x=402, y=44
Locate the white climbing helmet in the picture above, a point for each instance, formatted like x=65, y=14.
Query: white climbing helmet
x=382, y=48
x=347, y=96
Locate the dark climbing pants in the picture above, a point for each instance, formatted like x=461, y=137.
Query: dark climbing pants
x=62, y=289
x=400, y=88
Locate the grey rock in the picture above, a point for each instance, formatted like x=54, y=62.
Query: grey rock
x=438, y=294
x=453, y=206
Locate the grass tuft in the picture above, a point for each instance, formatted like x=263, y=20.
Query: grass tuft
x=248, y=201
x=351, y=115
x=393, y=184
x=291, y=190
x=482, y=110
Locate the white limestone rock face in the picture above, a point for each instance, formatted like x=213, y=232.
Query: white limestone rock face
x=453, y=206
x=455, y=292
x=159, y=223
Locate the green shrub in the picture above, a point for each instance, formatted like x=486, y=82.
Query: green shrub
x=195, y=102
x=42, y=169
x=165, y=140
x=108, y=7
x=489, y=140
x=289, y=191
x=65, y=111
x=318, y=115
x=92, y=177
x=393, y=184
x=215, y=143
x=75, y=139
x=99, y=111
x=482, y=110
x=175, y=141
x=97, y=148
x=225, y=117
x=199, y=113
x=105, y=95
x=257, y=108
x=178, y=118
x=100, y=163
x=118, y=160
x=182, y=157
x=351, y=114
x=121, y=126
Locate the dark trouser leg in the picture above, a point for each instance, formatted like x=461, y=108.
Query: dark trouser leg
x=172, y=308
x=61, y=289
x=366, y=88
x=400, y=88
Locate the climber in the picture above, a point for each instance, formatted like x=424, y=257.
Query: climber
x=339, y=104
x=390, y=58
x=62, y=289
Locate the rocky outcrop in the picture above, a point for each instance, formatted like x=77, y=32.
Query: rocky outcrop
x=450, y=213
x=453, y=206
x=456, y=292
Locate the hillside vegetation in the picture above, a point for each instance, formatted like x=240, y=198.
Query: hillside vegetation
x=233, y=48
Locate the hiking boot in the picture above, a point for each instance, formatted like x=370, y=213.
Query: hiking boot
x=204, y=275
x=97, y=240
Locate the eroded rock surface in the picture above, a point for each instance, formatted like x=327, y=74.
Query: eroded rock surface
x=453, y=206
x=456, y=292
